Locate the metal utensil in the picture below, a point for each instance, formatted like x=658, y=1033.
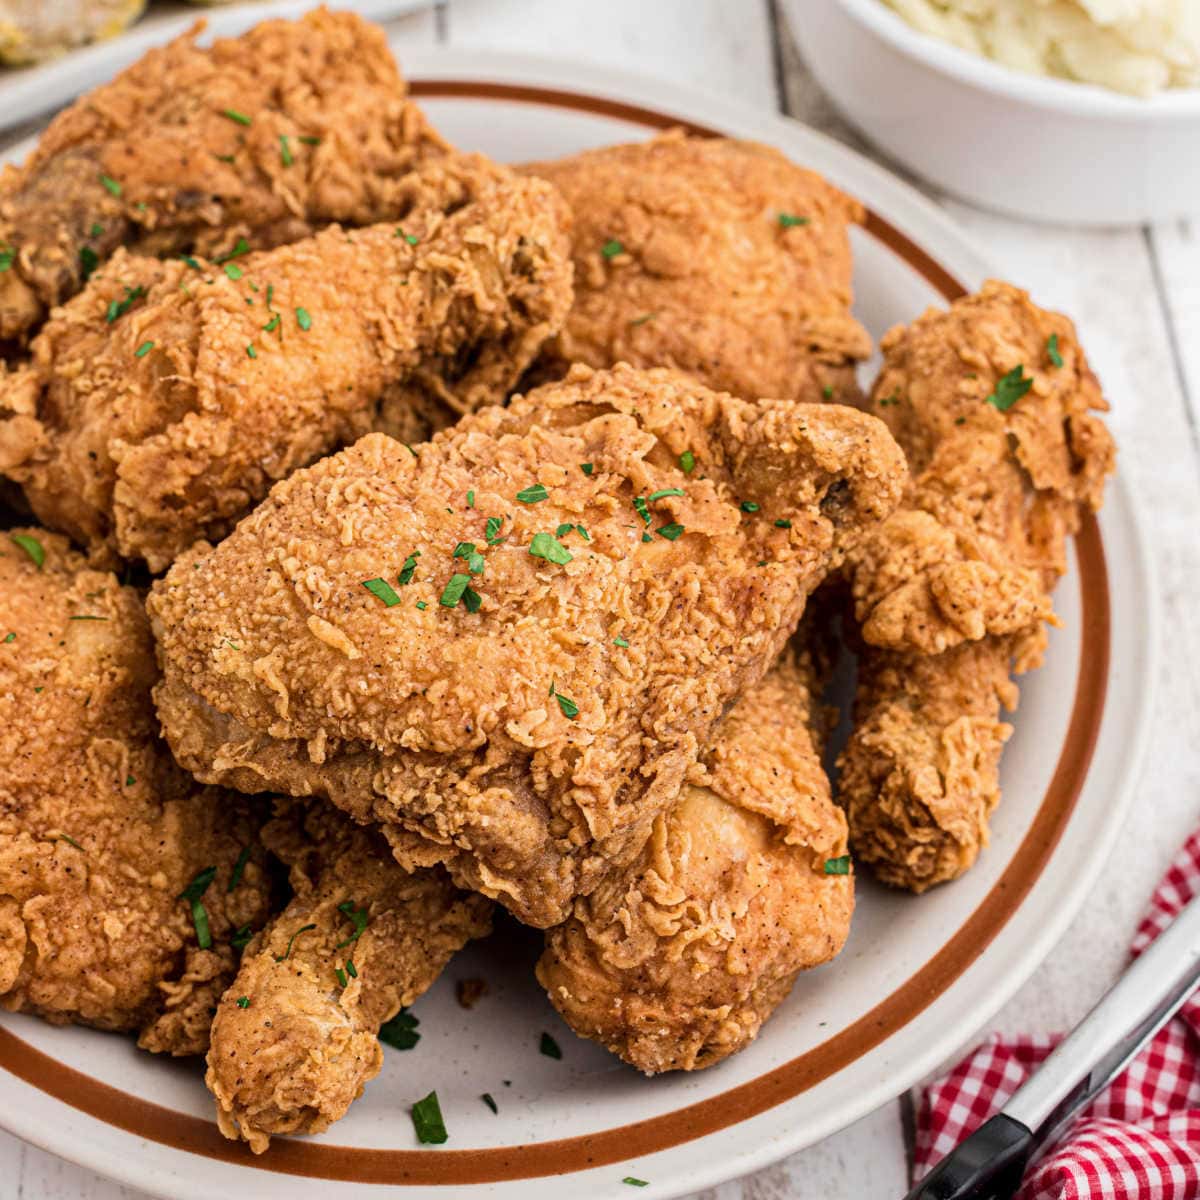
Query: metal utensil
x=990, y=1163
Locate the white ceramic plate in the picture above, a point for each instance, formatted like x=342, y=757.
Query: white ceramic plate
x=26, y=92
x=919, y=977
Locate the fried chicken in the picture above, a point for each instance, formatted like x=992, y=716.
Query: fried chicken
x=717, y=257
x=993, y=402
x=508, y=646
x=164, y=400
x=32, y=30
x=100, y=832
x=266, y=137
x=295, y=1039
x=675, y=963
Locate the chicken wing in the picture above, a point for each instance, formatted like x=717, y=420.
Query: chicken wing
x=508, y=646
x=717, y=257
x=994, y=403
x=675, y=963
x=266, y=137
x=163, y=401
x=295, y=1039
x=122, y=882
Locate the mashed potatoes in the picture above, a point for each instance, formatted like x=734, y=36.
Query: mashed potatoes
x=1134, y=46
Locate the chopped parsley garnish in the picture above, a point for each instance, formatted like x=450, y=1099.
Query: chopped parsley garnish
x=291, y=942
x=234, y=115
x=233, y=271
x=241, y=938
x=341, y=976
x=788, y=220
x=1009, y=389
x=407, y=571
x=889, y=401
x=489, y=1100
x=474, y=558
x=838, y=866
x=671, y=532
x=357, y=917
x=8, y=256
x=303, y=319
x=110, y=185
x=549, y=1047
x=620, y=641
x=587, y=468
x=634, y=1182
x=118, y=308
x=143, y=350
x=194, y=263
x=642, y=508
x=491, y=531
x=427, y=1121
x=612, y=248
x=1052, y=351
x=31, y=546
x=534, y=494
x=782, y=524
x=311, y=141
x=240, y=247
x=12, y=637
x=89, y=260
x=748, y=506
x=665, y=492
x=86, y=617
x=643, y=319
x=62, y=837
x=401, y=1031
x=383, y=590
x=239, y=867
x=827, y=392
x=569, y=708
x=687, y=462
x=96, y=230
x=351, y=969
x=547, y=546
x=225, y=158
x=408, y=237
x=192, y=894
x=459, y=588
x=242, y=1002
x=422, y=605
x=285, y=153
x=566, y=528
x=471, y=499
x=272, y=324
x=647, y=538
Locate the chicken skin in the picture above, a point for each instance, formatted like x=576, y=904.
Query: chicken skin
x=295, y=1039
x=122, y=882
x=717, y=257
x=507, y=646
x=675, y=963
x=164, y=400
x=994, y=403
x=266, y=137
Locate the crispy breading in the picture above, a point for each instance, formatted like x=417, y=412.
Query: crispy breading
x=100, y=832
x=510, y=734
x=31, y=30
x=164, y=400
x=675, y=963
x=294, y=1041
x=267, y=137
x=718, y=257
x=953, y=590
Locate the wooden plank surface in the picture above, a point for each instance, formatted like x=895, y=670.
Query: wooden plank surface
x=1136, y=297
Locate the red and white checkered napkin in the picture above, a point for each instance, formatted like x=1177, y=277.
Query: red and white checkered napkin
x=1140, y=1140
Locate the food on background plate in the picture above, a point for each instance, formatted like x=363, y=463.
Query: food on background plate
x=1135, y=46
x=717, y=257
x=33, y=30
x=264, y=138
x=123, y=882
x=508, y=645
x=162, y=402
x=745, y=881
x=994, y=404
x=295, y=1039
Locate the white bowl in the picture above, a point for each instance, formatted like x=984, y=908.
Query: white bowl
x=1049, y=149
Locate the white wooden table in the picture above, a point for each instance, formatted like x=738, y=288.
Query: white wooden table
x=1135, y=295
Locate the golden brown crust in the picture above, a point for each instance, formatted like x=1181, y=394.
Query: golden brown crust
x=100, y=832
x=675, y=963
x=293, y=1042
x=142, y=433
x=707, y=278
x=284, y=672
x=192, y=178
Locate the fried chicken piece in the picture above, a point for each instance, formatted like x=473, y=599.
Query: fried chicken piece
x=165, y=399
x=295, y=1039
x=266, y=137
x=994, y=402
x=676, y=962
x=717, y=257
x=32, y=30
x=587, y=610
x=100, y=832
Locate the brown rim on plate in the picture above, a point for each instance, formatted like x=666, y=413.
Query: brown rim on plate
x=490, y=1165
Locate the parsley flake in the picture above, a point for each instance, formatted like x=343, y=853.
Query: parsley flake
x=634, y=1182
x=242, y=1002
x=192, y=894
x=31, y=546
x=234, y=115
x=838, y=866
x=642, y=508
x=1052, y=351
x=427, y=1121
x=8, y=256
x=111, y=186
x=1009, y=389
x=620, y=641
x=303, y=319
x=291, y=942
x=587, y=468
x=570, y=710
x=383, y=590
x=687, y=462
x=12, y=637
x=250, y=351
x=534, y=494
x=491, y=531
x=549, y=1047
x=272, y=324
x=827, y=392
x=643, y=319
x=143, y=350
x=62, y=837
x=118, y=308
x=408, y=237
x=612, y=248
x=665, y=492
x=239, y=867
x=311, y=141
x=788, y=220
x=241, y=246
x=357, y=917
x=233, y=271
x=89, y=260
x=285, y=153
x=408, y=569
x=401, y=1031
x=489, y=1100
x=241, y=938
x=671, y=532
x=782, y=524
x=471, y=499
x=748, y=506
x=341, y=976
x=455, y=590
x=547, y=546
